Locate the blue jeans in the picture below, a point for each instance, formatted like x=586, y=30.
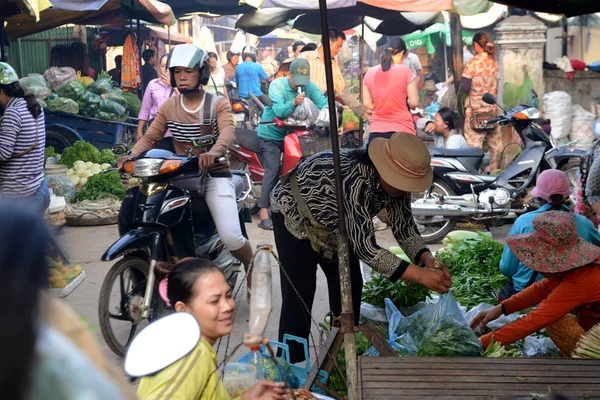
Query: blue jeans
x=40, y=200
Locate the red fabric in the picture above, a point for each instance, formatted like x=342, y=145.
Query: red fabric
x=578, y=65
x=555, y=297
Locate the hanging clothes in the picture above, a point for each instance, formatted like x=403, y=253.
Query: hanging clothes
x=130, y=70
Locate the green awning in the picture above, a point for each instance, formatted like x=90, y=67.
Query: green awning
x=432, y=35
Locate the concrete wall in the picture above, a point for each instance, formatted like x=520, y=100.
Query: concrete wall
x=578, y=47
x=583, y=88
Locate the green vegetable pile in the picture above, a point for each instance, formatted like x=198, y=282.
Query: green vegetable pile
x=102, y=85
x=401, y=293
x=448, y=338
x=134, y=103
x=80, y=150
x=336, y=382
x=101, y=184
x=63, y=104
x=50, y=152
x=73, y=90
x=473, y=262
x=107, y=157
x=88, y=104
x=495, y=349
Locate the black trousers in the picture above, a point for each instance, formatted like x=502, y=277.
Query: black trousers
x=270, y=157
x=299, y=262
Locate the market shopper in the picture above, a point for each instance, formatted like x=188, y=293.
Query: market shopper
x=297, y=48
x=412, y=61
x=305, y=222
x=198, y=287
x=22, y=142
x=233, y=59
x=480, y=76
x=446, y=129
x=115, y=73
x=386, y=89
x=157, y=92
x=216, y=83
x=552, y=191
x=248, y=76
x=284, y=96
x=316, y=59
x=571, y=284
x=189, y=116
x=149, y=68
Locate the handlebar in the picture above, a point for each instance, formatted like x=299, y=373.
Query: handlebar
x=495, y=120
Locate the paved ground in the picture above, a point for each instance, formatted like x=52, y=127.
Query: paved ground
x=87, y=244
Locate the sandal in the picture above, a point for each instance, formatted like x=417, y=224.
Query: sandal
x=266, y=224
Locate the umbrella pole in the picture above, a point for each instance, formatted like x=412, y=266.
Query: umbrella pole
x=347, y=316
x=457, y=49
x=2, y=35
x=139, y=46
x=361, y=58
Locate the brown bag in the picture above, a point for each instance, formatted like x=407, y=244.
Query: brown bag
x=478, y=122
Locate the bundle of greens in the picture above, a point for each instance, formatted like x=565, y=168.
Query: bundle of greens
x=101, y=184
x=495, y=349
x=107, y=157
x=111, y=111
x=448, y=338
x=80, y=150
x=88, y=104
x=589, y=344
x=133, y=103
x=102, y=85
x=402, y=293
x=72, y=89
x=62, y=104
x=116, y=96
x=50, y=152
x=473, y=263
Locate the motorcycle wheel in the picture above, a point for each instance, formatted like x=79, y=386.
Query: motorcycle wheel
x=126, y=283
x=434, y=229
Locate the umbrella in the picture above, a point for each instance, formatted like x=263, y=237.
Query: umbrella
x=568, y=7
x=219, y=7
x=8, y=8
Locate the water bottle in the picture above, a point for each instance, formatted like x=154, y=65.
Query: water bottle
x=256, y=359
x=260, y=307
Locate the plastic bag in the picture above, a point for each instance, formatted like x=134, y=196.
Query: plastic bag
x=112, y=107
x=89, y=103
x=115, y=96
x=58, y=76
x=101, y=86
x=558, y=109
x=63, y=372
x=61, y=185
x=431, y=110
x=372, y=313
x=439, y=330
x=63, y=105
x=73, y=90
x=581, y=128
x=307, y=112
x=402, y=343
x=323, y=118
x=35, y=84
x=539, y=346
x=497, y=323
x=514, y=95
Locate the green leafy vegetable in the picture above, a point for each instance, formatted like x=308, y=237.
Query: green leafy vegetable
x=473, y=264
x=63, y=104
x=100, y=184
x=88, y=103
x=50, y=152
x=73, y=90
x=449, y=339
x=336, y=382
x=116, y=96
x=107, y=157
x=109, y=106
x=401, y=293
x=495, y=349
x=134, y=103
x=101, y=86
x=81, y=150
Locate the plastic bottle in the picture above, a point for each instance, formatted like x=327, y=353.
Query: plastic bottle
x=260, y=306
x=256, y=359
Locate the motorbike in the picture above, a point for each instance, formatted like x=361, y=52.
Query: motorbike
x=247, y=112
x=302, y=141
x=165, y=219
x=460, y=194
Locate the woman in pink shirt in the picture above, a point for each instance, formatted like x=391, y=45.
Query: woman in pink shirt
x=157, y=92
x=389, y=90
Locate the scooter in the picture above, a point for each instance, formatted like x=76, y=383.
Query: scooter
x=164, y=219
x=302, y=141
x=459, y=193
x=247, y=112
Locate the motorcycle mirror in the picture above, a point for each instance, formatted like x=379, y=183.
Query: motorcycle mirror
x=119, y=149
x=161, y=344
x=489, y=98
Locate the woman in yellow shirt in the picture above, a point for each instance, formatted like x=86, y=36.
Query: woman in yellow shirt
x=198, y=287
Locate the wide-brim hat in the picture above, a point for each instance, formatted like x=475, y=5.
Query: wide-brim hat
x=402, y=161
x=553, y=246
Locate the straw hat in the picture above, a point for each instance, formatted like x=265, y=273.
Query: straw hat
x=430, y=86
x=553, y=246
x=402, y=161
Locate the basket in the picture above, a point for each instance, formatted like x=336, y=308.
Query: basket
x=91, y=219
x=104, y=211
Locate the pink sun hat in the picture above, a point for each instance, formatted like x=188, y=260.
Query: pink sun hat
x=550, y=182
x=553, y=246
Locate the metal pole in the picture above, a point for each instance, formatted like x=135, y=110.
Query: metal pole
x=20, y=50
x=457, y=49
x=445, y=55
x=139, y=46
x=347, y=316
x=2, y=35
x=361, y=57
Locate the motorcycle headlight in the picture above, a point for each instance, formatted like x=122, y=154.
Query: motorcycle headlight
x=528, y=113
x=147, y=167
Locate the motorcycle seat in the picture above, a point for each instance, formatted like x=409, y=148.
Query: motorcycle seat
x=468, y=152
x=239, y=181
x=247, y=139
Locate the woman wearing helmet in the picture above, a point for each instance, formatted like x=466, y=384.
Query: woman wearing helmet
x=233, y=59
x=22, y=142
x=188, y=116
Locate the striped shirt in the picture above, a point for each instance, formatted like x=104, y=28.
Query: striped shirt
x=21, y=176
x=317, y=72
x=364, y=197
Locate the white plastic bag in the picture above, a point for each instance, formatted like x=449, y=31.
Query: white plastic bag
x=323, y=118
x=558, y=109
x=306, y=112
x=57, y=76
x=581, y=128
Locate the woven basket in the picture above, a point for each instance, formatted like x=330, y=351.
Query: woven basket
x=94, y=216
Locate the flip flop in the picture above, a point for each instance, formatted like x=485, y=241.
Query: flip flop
x=266, y=224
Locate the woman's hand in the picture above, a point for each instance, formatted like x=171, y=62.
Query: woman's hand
x=207, y=160
x=264, y=390
x=430, y=127
x=433, y=279
x=482, y=319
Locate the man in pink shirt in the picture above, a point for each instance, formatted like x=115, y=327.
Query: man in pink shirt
x=157, y=92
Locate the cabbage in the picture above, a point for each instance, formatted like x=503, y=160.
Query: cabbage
x=70, y=172
x=82, y=181
x=81, y=173
x=88, y=164
x=105, y=166
x=74, y=179
x=95, y=170
x=78, y=163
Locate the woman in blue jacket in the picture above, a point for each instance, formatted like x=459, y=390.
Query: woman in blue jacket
x=552, y=190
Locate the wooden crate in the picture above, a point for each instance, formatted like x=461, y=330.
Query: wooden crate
x=477, y=378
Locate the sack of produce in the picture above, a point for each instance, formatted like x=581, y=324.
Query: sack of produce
x=102, y=85
x=134, y=103
x=73, y=90
x=89, y=103
x=35, y=84
x=57, y=76
x=403, y=344
x=438, y=330
x=116, y=96
x=581, y=128
x=112, y=107
x=558, y=109
x=64, y=105
x=61, y=185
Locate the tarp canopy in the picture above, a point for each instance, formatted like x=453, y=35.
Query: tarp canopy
x=9, y=8
x=263, y=21
x=568, y=7
x=219, y=7
x=432, y=35
x=112, y=12
x=116, y=35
